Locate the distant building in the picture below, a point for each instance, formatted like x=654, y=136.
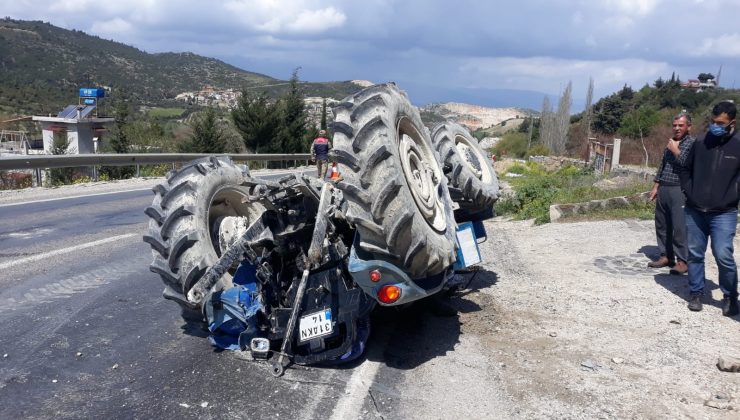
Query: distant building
x=314, y=104
x=78, y=125
x=699, y=85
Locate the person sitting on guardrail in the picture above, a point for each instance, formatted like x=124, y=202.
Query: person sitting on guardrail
x=320, y=153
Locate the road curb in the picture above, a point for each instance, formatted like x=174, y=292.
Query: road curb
x=557, y=211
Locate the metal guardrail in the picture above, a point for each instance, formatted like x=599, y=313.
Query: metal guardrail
x=129, y=159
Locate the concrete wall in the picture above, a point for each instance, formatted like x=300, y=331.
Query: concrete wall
x=79, y=135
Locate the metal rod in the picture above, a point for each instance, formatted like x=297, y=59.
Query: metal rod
x=314, y=258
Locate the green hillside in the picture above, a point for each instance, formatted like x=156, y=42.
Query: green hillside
x=43, y=66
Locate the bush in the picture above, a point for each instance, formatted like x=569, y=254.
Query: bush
x=511, y=144
x=15, y=180
x=155, y=170
x=539, y=150
x=507, y=204
x=536, y=190
x=517, y=168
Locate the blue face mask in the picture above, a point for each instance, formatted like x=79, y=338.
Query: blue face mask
x=717, y=130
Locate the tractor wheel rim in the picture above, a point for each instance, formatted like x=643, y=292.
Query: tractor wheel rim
x=422, y=174
x=473, y=159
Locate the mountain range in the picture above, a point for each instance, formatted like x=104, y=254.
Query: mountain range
x=42, y=67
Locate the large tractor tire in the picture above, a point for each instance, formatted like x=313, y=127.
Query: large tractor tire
x=473, y=182
x=184, y=219
x=391, y=177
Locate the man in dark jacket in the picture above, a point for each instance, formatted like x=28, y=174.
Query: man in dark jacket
x=711, y=187
x=320, y=153
x=670, y=224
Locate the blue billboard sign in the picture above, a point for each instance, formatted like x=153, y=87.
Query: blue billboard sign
x=92, y=93
x=89, y=101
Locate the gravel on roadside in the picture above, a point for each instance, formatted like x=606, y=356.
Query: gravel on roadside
x=576, y=326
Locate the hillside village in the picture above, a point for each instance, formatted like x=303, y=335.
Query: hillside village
x=472, y=116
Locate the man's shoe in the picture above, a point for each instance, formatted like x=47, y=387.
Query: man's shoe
x=695, y=302
x=680, y=268
x=729, y=306
x=660, y=263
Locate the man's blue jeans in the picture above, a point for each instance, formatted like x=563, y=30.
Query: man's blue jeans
x=721, y=227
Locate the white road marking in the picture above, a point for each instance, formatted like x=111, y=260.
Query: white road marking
x=73, y=196
x=349, y=406
x=30, y=234
x=44, y=255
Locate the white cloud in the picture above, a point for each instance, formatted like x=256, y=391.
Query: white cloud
x=317, y=20
x=434, y=42
x=727, y=45
x=634, y=7
x=116, y=26
x=545, y=73
x=291, y=16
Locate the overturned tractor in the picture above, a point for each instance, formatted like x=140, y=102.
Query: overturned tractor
x=291, y=269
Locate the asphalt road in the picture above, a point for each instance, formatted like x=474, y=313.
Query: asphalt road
x=85, y=333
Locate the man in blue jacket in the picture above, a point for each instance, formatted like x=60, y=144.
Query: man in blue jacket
x=711, y=186
x=320, y=153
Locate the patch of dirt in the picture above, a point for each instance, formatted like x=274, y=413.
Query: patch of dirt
x=577, y=326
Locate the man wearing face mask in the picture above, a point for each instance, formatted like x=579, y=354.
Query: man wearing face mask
x=710, y=183
x=670, y=224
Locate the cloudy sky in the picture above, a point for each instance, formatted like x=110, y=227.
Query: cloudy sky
x=490, y=53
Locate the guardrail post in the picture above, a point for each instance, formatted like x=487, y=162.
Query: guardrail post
x=138, y=171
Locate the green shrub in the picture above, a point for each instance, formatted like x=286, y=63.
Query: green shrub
x=154, y=170
x=538, y=150
x=511, y=144
x=536, y=190
x=507, y=204
x=517, y=168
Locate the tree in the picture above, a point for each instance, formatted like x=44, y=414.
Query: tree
x=323, y=115
x=258, y=121
x=119, y=141
x=292, y=134
x=638, y=123
x=60, y=146
x=704, y=77
x=562, y=122
x=208, y=137
x=547, y=124
x=589, y=111
x=611, y=109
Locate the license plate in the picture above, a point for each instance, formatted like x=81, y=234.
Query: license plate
x=315, y=325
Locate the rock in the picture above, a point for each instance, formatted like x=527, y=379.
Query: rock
x=589, y=364
x=718, y=404
x=728, y=364
x=617, y=360
x=675, y=321
x=115, y=366
x=53, y=381
x=618, y=182
x=204, y=404
x=5, y=356
x=78, y=354
x=553, y=334
x=184, y=405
